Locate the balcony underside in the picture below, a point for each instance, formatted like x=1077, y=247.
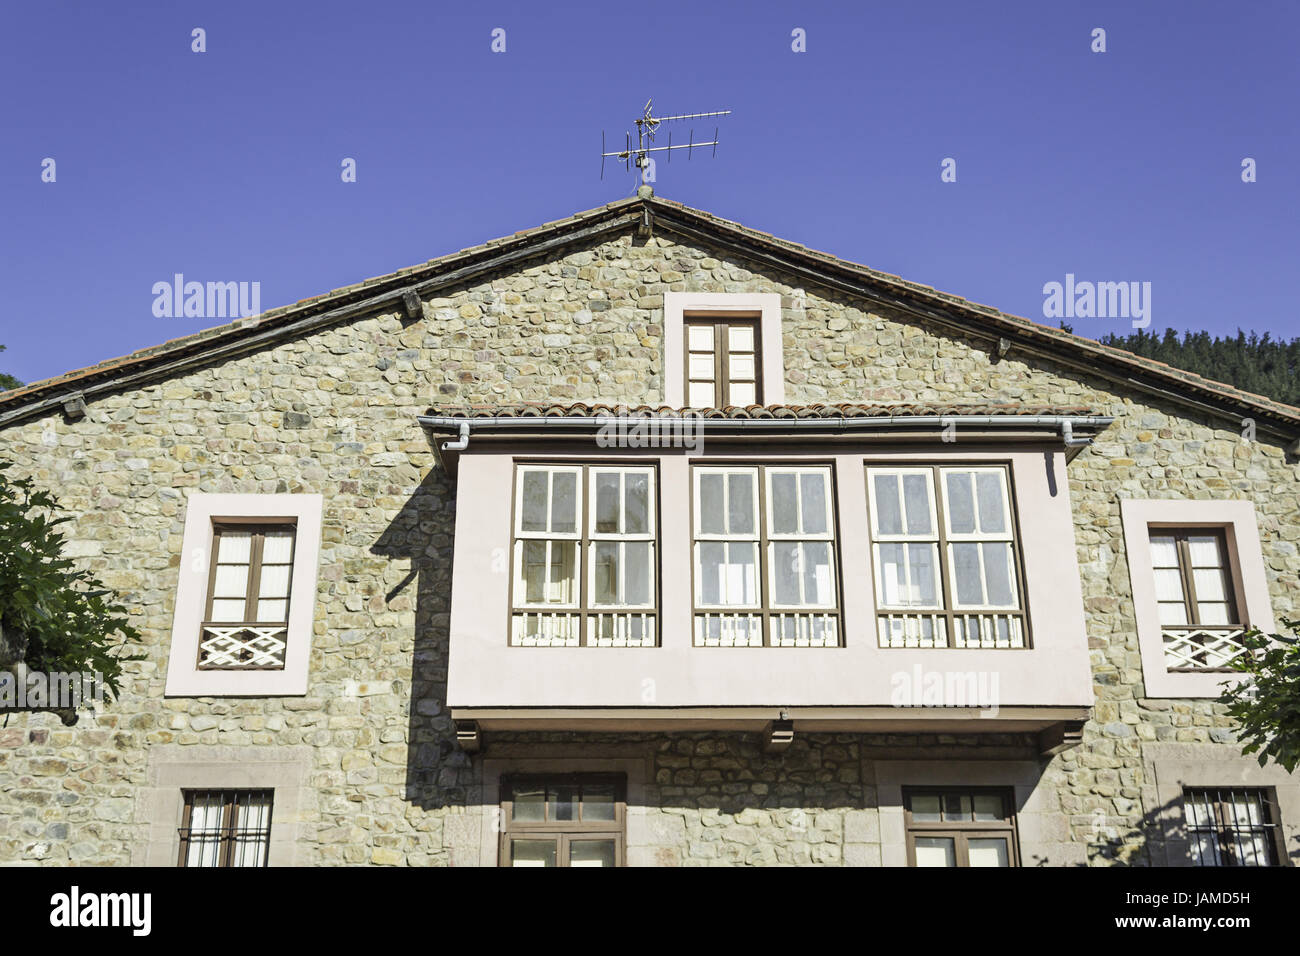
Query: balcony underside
x=859, y=720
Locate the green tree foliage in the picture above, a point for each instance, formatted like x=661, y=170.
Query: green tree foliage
x=7, y=381
x=53, y=615
x=1268, y=704
x=1251, y=362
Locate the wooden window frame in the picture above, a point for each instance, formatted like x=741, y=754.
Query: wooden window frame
x=765, y=609
x=721, y=322
x=252, y=585
x=946, y=590
x=585, y=539
x=230, y=801
x=1225, y=826
x=962, y=831
x=1191, y=606
x=563, y=832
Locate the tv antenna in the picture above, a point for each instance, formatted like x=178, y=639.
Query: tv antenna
x=646, y=127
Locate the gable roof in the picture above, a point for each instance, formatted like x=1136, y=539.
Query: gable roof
x=649, y=212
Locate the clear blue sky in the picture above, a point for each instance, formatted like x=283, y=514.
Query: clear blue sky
x=225, y=165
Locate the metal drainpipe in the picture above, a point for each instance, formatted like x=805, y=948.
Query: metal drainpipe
x=461, y=443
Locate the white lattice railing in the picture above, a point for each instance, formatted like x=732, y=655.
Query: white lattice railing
x=545, y=629
x=745, y=629
x=621, y=629
x=242, y=646
x=1201, y=648
x=805, y=629
x=986, y=629
x=728, y=629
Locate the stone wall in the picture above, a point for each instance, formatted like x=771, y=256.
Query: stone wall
x=334, y=413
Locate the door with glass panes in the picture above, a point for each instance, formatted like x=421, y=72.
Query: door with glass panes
x=563, y=820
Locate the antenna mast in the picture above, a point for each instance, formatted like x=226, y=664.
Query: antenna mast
x=646, y=126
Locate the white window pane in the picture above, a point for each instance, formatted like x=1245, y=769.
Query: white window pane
x=1213, y=613
x=935, y=851
x=988, y=492
x=1204, y=551
x=966, y=573
x=700, y=366
x=535, y=498
x=277, y=548
x=916, y=495
x=636, y=503
x=783, y=488
x=234, y=547
x=889, y=516
x=1172, y=614
x=728, y=573
x=818, y=582
x=961, y=502
x=275, y=581
x=743, y=394
x=700, y=338
x=637, y=573
x=701, y=395
x=740, y=504
x=712, y=504
x=740, y=338
x=1164, y=552
x=228, y=611
x=604, y=572
x=607, y=502
x=987, y=806
x=998, y=573
x=532, y=853
x=1209, y=584
x=987, y=851
x=741, y=367
x=276, y=611
x=922, y=561
x=564, y=502
x=785, y=573
x=1169, y=584
x=926, y=809
x=1198, y=809
x=591, y=853
x=231, y=582
x=812, y=494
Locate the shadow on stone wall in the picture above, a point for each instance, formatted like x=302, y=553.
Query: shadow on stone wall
x=438, y=774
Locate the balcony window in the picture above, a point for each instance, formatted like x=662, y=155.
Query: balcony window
x=764, y=557
x=947, y=568
x=247, y=618
x=584, y=557
x=1200, y=622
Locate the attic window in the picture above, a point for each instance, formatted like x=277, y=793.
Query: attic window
x=722, y=349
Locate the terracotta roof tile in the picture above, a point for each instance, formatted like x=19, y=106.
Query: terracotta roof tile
x=751, y=412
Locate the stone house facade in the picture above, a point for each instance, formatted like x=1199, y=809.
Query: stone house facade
x=924, y=583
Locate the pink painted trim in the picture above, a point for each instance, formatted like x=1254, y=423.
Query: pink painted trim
x=1237, y=518
x=184, y=679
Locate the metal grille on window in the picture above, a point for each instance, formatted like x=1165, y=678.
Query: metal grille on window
x=226, y=828
x=1230, y=827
